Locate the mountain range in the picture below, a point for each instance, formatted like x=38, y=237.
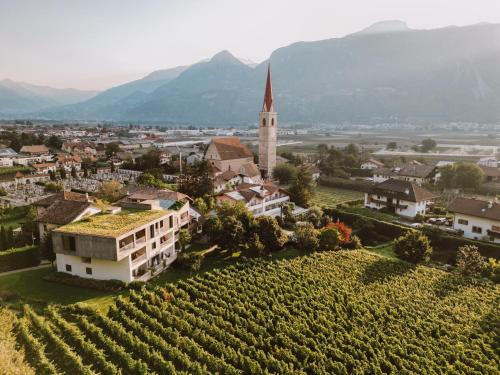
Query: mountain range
x=384, y=73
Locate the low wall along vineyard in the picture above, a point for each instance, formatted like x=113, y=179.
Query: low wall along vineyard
x=336, y=312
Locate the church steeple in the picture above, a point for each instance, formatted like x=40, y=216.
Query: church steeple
x=268, y=122
x=267, y=106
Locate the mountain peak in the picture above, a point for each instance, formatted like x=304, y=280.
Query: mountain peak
x=390, y=26
x=225, y=57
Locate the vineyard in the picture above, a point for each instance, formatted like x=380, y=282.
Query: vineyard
x=326, y=196
x=337, y=313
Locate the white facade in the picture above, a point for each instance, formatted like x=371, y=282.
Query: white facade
x=401, y=207
x=477, y=228
x=136, y=255
x=370, y=165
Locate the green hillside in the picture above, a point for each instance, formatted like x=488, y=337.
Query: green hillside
x=337, y=312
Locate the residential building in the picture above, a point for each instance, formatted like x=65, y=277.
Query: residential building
x=7, y=157
x=35, y=150
x=126, y=246
x=265, y=199
x=489, y=161
x=44, y=168
x=420, y=174
x=491, y=174
x=403, y=198
x=476, y=219
x=372, y=164
x=63, y=208
x=68, y=162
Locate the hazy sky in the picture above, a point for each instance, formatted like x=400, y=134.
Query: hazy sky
x=95, y=44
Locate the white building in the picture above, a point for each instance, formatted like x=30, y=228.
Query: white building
x=420, y=174
x=489, y=162
x=476, y=219
x=402, y=198
x=265, y=199
x=372, y=164
x=7, y=157
x=123, y=246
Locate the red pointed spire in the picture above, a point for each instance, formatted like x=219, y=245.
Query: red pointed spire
x=267, y=106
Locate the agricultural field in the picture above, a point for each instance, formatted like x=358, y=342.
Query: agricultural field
x=330, y=196
x=334, y=312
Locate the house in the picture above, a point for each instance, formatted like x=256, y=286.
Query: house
x=44, y=168
x=488, y=161
x=420, y=174
x=250, y=173
x=226, y=179
x=7, y=157
x=476, y=219
x=372, y=164
x=68, y=162
x=403, y=198
x=35, y=150
x=26, y=179
x=491, y=174
x=62, y=208
x=265, y=199
x=124, y=245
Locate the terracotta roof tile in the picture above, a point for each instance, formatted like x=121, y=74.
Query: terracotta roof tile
x=475, y=207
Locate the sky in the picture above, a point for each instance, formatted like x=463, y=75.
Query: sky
x=97, y=44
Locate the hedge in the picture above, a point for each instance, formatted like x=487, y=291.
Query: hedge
x=72, y=280
x=444, y=245
x=17, y=258
x=357, y=185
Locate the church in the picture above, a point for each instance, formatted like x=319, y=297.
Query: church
x=228, y=154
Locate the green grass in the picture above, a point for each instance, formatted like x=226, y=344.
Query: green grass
x=382, y=216
x=385, y=249
x=30, y=287
x=326, y=196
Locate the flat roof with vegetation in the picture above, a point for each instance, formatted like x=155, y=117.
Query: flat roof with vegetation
x=112, y=225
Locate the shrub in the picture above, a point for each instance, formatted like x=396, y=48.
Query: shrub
x=329, y=238
x=191, y=261
x=492, y=270
x=414, y=247
x=72, y=280
x=469, y=261
x=354, y=243
x=17, y=258
x=344, y=231
x=306, y=238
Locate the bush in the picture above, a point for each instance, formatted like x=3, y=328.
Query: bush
x=492, y=270
x=17, y=258
x=329, y=238
x=414, y=247
x=469, y=261
x=67, y=279
x=306, y=238
x=191, y=261
x=354, y=243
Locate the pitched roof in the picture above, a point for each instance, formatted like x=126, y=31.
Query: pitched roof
x=227, y=175
x=63, y=195
x=490, y=171
x=249, y=169
x=410, y=170
x=404, y=190
x=43, y=165
x=231, y=148
x=267, y=106
x=374, y=161
x=63, y=212
x=475, y=207
x=142, y=193
x=34, y=149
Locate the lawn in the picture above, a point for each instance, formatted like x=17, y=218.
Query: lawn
x=368, y=212
x=330, y=196
x=385, y=249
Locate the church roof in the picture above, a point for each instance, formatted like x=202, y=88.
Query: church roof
x=231, y=148
x=267, y=106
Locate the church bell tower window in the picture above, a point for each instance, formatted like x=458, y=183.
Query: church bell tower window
x=263, y=122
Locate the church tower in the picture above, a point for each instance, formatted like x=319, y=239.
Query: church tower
x=268, y=122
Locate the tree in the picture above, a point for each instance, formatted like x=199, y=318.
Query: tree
x=447, y=179
x=73, y=172
x=414, y=247
x=62, y=173
x=468, y=175
x=184, y=238
x=428, y=144
x=111, y=191
x=198, y=180
x=285, y=173
x=85, y=172
x=270, y=234
x=470, y=262
x=54, y=142
x=306, y=237
x=149, y=179
x=302, y=189
x=112, y=148
x=344, y=231
x=47, y=248
x=233, y=233
x=329, y=238
x=314, y=215
x=392, y=146
x=255, y=247
x=201, y=206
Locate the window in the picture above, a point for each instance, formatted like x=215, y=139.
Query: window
x=152, y=230
x=463, y=222
x=263, y=122
x=161, y=224
x=86, y=260
x=171, y=221
x=153, y=245
x=88, y=271
x=477, y=229
x=69, y=243
x=68, y=267
x=272, y=122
